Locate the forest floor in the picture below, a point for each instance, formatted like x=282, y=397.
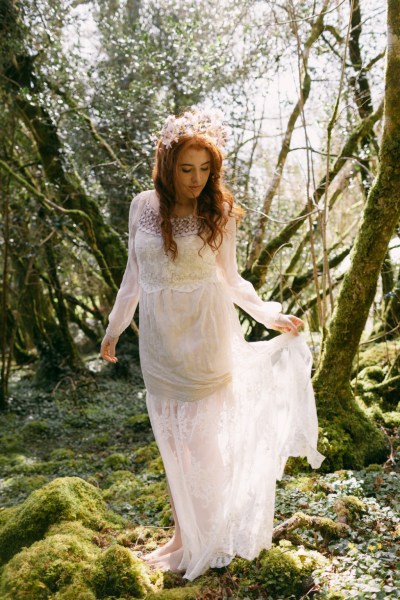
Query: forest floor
x=99, y=431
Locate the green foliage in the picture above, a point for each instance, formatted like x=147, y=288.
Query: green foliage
x=367, y=500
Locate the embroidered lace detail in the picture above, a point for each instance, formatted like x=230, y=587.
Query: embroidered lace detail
x=149, y=222
x=163, y=272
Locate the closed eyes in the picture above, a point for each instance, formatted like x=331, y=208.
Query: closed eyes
x=205, y=169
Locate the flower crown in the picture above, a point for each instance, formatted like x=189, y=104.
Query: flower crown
x=205, y=122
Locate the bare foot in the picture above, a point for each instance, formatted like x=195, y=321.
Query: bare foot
x=168, y=562
x=171, y=546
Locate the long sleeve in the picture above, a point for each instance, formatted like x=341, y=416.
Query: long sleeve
x=128, y=294
x=241, y=291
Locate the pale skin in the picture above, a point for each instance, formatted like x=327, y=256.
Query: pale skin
x=193, y=171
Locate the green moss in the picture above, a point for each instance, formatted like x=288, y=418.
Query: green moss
x=7, y=461
x=138, y=423
x=374, y=467
x=6, y=514
x=64, y=499
x=36, y=429
x=391, y=419
x=349, y=508
x=145, y=454
x=303, y=483
x=49, y=565
x=118, y=477
x=119, y=573
x=369, y=397
x=328, y=528
x=78, y=590
x=382, y=354
x=22, y=484
x=281, y=571
x=296, y=465
x=62, y=454
x=185, y=593
x=350, y=440
x=372, y=374
x=11, y=442
x=102, y=439
x=116, y=461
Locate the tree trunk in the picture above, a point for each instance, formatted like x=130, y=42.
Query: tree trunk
x=352, y=439
x=18, y=74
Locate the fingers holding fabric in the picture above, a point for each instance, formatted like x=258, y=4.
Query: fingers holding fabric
x=288, y=324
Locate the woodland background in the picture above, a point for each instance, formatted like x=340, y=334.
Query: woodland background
x=311, y=92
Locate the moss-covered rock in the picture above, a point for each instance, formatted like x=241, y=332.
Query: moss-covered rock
x=391, y=419
x=50, y=565
x=349, y=508
x=119, y=573
x=382, y=354
x=349, y=439
x=282, y=571
x=78, y=590
x=374, y=374
x=64, y=499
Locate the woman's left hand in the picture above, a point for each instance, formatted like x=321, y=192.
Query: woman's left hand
x=288, y=324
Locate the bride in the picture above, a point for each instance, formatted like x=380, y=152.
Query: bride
x=226, y=414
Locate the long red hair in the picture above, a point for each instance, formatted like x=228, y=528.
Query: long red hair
x=210, y=204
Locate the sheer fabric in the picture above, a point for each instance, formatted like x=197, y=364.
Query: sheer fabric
x=226, y=414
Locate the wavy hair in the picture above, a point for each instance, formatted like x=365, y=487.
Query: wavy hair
x=210, y=203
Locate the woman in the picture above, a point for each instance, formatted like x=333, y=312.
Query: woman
x=226, y=414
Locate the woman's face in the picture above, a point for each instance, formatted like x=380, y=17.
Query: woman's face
x=193, y=170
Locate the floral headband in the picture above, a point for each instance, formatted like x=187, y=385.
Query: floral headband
x=205, y=122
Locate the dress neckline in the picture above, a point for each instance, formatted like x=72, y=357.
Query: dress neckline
x=153, y=210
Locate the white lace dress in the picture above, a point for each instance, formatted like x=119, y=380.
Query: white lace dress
x=226, y=414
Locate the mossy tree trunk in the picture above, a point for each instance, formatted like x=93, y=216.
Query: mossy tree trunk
x=353, y=440
x=17, y=68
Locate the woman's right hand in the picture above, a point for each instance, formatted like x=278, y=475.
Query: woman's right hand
x=107, y=349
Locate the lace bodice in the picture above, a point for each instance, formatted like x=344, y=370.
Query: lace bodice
x=157, y=271
x=190, y=269
x=149, y=222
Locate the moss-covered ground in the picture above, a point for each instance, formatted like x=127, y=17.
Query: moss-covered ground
x=83, y=494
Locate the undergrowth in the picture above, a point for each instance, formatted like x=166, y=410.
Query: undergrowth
x=100, y=433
